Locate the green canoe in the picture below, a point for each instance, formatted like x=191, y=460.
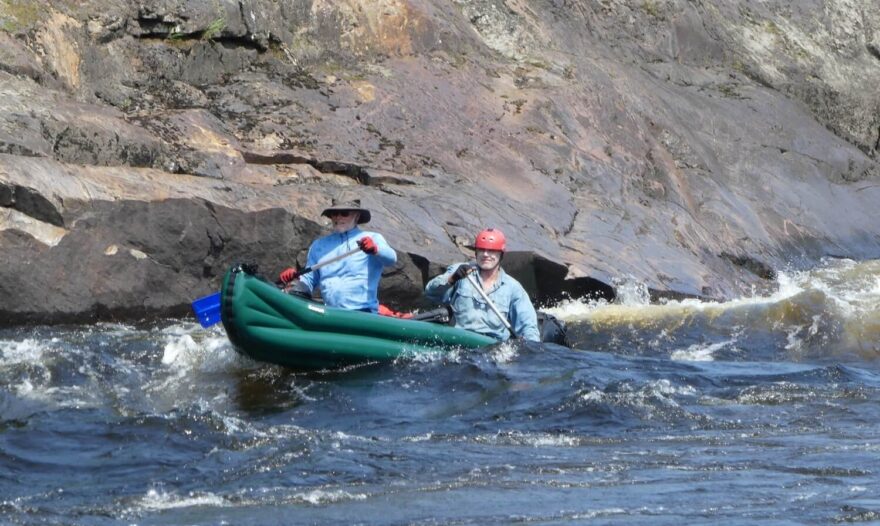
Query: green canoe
x=269, y=325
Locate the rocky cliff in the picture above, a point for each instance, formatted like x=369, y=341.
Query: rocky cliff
x=694, y=146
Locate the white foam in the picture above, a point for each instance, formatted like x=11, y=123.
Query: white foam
x=33, y=378
x=572, y=309
x=700, y=352
x=156, y=500
x=546, y=440
x=26, y=351
x=504, y=353
x=665, y=387
x=858, y=489
x=595, y=514
x=630, y=291
x=426, y=437
x=174, y=350
x=641, y=396
x=421, y=356
x=632, y=302
x=189, y=349
x=319, y=496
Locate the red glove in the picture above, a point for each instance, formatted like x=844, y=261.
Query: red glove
x=367, y=244
x=287, y=275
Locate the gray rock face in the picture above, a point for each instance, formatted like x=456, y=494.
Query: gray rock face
x=692, y=146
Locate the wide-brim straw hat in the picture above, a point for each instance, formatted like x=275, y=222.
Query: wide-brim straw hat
x=343, y=204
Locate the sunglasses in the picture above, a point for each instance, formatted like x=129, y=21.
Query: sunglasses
x=341, y=213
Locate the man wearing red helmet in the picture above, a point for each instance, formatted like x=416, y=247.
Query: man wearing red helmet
x=470, y=306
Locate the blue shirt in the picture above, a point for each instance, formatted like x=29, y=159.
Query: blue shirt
x=474, y=314
x=353, y=282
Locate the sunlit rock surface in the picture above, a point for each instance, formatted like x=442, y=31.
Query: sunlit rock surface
x=691, y=146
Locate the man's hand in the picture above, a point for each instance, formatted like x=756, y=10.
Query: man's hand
x=287, y=275
x=367, y=244
x=462, y=271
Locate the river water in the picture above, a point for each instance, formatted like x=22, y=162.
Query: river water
x=763, y=410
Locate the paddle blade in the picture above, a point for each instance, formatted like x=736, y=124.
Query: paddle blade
x=207, y=309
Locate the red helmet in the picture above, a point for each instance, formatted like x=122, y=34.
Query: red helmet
x=491, y=239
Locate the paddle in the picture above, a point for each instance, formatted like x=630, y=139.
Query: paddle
x=207, y=309
x=491, y=305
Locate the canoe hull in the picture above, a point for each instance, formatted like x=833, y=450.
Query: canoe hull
x=269, y=325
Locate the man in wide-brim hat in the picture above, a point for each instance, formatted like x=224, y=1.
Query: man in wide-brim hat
x=343, y=204
x=353, y=281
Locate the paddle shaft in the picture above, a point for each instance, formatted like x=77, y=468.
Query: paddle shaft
x=320, y=264
x=491, y=305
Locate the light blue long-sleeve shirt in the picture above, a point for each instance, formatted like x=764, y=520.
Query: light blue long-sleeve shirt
x=353, y=282
x=474, y=314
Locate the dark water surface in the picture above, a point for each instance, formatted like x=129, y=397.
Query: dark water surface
x=758, y=411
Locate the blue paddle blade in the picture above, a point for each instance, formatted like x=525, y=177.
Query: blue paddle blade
x=207, y=309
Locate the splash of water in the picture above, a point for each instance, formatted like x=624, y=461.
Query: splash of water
x=832, y=309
